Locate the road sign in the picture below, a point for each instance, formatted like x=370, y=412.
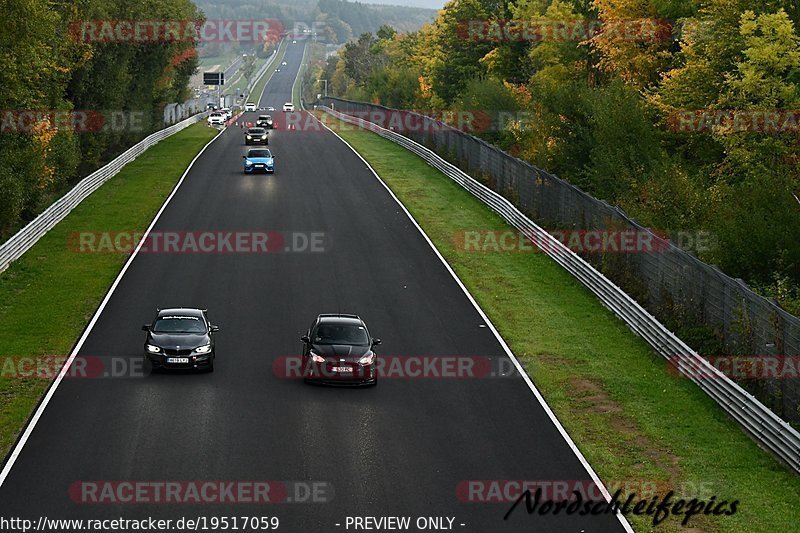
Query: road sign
x=213, y=78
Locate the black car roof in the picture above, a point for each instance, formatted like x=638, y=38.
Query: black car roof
x=339, y=318
x=190, y=311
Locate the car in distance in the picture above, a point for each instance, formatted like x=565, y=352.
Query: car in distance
x=216, y=119
x=256, y=136
x=227, y=112
x=265, y=121
x=259, y=159
x=249, y=106
x=284, y=63
x=270, y=108
x=288, y=106
x=180, y=338
x=338, y=350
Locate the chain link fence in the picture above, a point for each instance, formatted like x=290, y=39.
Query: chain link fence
x=716, y=314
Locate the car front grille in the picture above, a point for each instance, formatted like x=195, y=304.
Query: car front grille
x=176, y=352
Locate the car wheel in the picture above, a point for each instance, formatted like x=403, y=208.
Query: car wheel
x=211, y=365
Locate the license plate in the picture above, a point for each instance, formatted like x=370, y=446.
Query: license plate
x=177, y=359
x=259, y=166
x=343, y=369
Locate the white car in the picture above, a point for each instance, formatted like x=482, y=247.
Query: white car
x=284, y=63
x=227, y=112
x=288, y=106
x=249, y=106
x=216, y=119
x=294, y=42
x=270, y=108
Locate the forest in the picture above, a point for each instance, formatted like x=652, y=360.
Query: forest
x=71, y=101
x=684, y=113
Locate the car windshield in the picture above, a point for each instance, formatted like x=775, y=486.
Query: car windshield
x=341, y=334
x=263, y=117
x=179, y=324
x=255, y=130
x=259, y=153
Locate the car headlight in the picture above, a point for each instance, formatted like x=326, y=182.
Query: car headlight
x=249, y=136
x=367, y=359
x=153, y=349
x=247, y=162
x=317, y=358
x=203, y=349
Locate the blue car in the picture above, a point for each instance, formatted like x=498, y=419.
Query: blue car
x=259, y=159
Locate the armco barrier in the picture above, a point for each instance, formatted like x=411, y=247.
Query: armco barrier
x=672, y=283
x=24, y=239
x=769, y=430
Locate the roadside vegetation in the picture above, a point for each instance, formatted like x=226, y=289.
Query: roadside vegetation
x=121, y=87
x=48, y=296
x=638, y=115
x=638, y=424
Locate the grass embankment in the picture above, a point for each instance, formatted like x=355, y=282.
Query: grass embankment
x=239, y=80
x=48, y=296
x=633, y=419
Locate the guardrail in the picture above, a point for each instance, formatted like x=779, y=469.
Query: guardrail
x=24, y=239
x=764, y=426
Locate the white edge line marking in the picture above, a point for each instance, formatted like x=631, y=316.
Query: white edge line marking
x=621, y=517
x=12, y=458
x=297, y=77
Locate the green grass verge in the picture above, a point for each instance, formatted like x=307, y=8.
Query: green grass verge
x=48, y=296
x=259, y=87
x=239, y=79
x=632, y=419
x=222, y=61
x=297, y=97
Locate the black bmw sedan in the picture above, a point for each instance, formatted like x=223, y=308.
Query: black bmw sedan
x=180, y=338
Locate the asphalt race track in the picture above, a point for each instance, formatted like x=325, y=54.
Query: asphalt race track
x=404, y=448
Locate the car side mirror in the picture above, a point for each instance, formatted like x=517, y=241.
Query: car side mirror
x=146, y=327
x=376, y=342
x=213, y=328
x=244, y=157
x=305, y=338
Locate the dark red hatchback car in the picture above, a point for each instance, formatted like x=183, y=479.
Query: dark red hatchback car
x=338, y=350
